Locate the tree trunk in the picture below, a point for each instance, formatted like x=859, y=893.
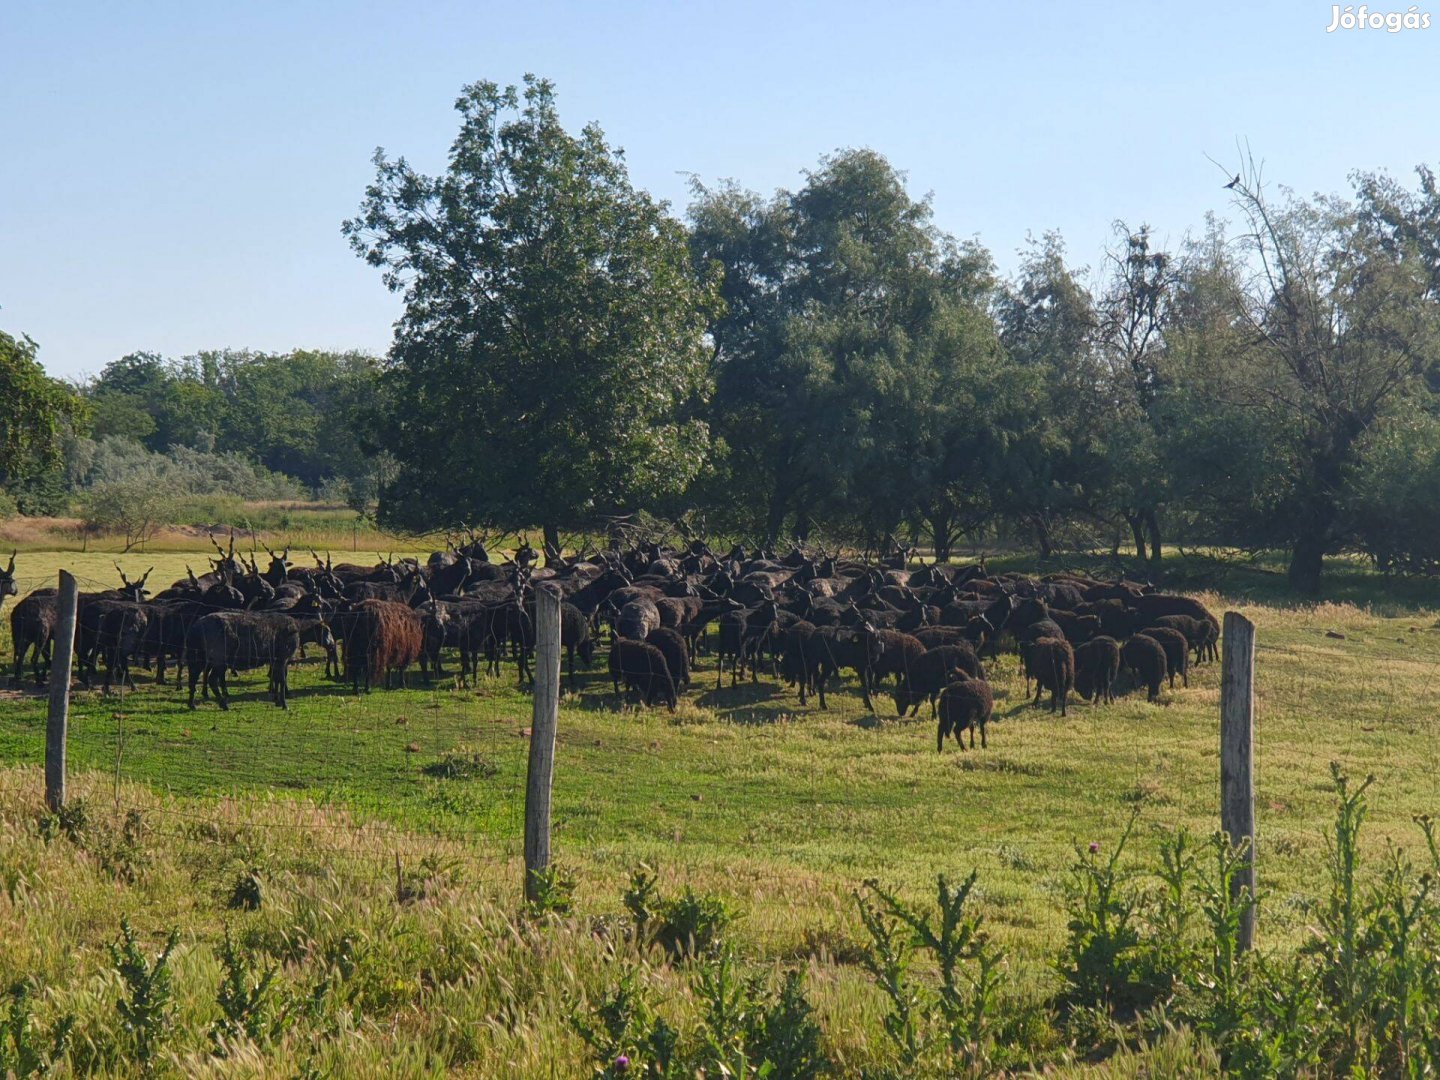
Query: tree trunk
x=552, y=537
x=802, y=526
x=1043, y=538
x=775, y=517
x=942, y=533
x=1137, y=530
x=1152, y=525
x=1307, y=560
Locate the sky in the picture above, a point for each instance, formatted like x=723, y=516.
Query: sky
x=173, y=176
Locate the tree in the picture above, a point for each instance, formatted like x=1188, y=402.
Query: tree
x=137, y=508
x=36, y=415
x=1049, y=325
x=1133, y=309
x=850, y=351
x=551, y=364
x=1315, y=337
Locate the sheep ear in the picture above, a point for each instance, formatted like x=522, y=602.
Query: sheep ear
x=11, y=568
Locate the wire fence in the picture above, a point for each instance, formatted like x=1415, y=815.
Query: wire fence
x=357, y=780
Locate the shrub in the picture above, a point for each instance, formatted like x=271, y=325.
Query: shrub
x=687, y=925
x=146, y=1005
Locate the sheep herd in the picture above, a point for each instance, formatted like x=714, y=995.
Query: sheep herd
x=806, y=618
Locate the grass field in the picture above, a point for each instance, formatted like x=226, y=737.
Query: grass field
x=741, y=793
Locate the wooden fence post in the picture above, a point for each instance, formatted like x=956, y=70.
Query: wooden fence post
x=1237, y=753
x=57, y=724
x=542, y=736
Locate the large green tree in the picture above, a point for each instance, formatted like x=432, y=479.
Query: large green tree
x=1301, y=348
x=551, y=365
x=36, y=414
x=855, y=357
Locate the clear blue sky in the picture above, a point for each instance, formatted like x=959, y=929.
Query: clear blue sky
x=174, y=175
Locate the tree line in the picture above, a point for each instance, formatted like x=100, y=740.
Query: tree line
x=827, y=361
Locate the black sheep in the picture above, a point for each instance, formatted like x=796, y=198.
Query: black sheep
x=641, y=667
x=672, y=647
x=1198, y=632
x=931, y=673
x=965, y=703
x=899, y=652
x=1051, y=663
x=802, y=660
x=1177, y=652
x=1097, y=663
x=1145, y=657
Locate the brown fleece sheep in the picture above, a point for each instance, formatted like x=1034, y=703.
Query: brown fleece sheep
x=1145, y=657
x=1051, y=663
x=387, y=637
x=932, y=672
x=642, y=667
x=1097, y=663
x=965, y=703
x=1177, y=652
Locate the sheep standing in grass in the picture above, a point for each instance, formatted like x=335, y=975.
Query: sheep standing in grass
x=1097, y=663
x=931, y=673
x=641, y=666
x=1145, y=658
x=672, y=647
x=1177, y=652
x=965, y=703
x=1051, y=663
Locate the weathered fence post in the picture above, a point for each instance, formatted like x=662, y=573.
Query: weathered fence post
x=59, y=719
x=542, y=736
x=1237, y=753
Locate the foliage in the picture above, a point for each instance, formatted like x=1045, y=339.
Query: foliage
x=249, y=1002
x=955, y=1024
x=27, y=1050
x=690, y=924
x=135, y=508
x=37, y=413
x=146, y=1002
x=553, y=330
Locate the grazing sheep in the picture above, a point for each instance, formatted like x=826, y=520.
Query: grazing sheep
x=1145, y=657
x=1078, y=629
x=934, y=671
x=1051, y=663
x=641, y=666
x=1197, y=632
x=1097, y=663
x=1153, y=605
x=965, y=703
x=637, y=618
x=1177, y=652
x=672, y=647
x=858, y=649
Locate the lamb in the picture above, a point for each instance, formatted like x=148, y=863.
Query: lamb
x=932, y=673
x=672, y=647
x=1145, y=657
x=965, y=703
x=1051, y=663
x=1097, y=663
x=1177, y=652
x=641, y=667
